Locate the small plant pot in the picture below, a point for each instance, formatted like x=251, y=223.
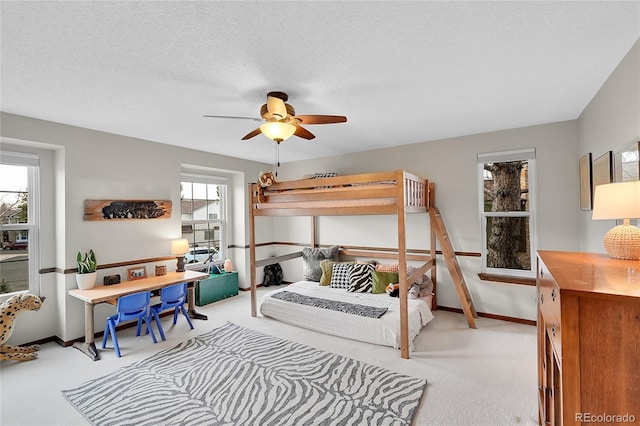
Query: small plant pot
x=86, y=281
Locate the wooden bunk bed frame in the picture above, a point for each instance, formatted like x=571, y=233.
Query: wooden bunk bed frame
x=383, y=193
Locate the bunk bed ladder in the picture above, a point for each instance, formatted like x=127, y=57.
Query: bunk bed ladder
x=454, y=267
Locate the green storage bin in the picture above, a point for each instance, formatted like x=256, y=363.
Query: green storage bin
x=216, y=287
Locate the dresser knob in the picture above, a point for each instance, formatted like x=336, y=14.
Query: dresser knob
x=553, y=330
x=542, y=299
x=541, y=273
x=553, y=295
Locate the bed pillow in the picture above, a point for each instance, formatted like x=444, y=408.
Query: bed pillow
x=312, y=257
x=387, y=268
x=340, y=275
x=360, y=278
x=327, y=270
x=380, y=281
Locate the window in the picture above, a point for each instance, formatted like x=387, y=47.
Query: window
x=507, y=210
x=203, y=206
x=19, y=209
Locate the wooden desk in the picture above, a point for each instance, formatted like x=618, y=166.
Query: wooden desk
x=102, y=294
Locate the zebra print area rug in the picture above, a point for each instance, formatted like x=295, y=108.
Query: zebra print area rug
x=236, y=376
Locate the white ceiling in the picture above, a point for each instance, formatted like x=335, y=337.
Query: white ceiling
x=402, y=72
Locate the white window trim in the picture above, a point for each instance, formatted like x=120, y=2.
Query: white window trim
x=32, y=162
x=504, y=156
x=223, y=221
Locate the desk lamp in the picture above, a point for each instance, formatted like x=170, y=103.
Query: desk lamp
x=180, y=248
x=619, y=201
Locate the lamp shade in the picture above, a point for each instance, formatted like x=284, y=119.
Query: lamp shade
x=180, y=246
x=277, y=130
x=617, y=201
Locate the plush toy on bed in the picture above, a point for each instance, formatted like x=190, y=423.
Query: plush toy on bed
x=393, y=290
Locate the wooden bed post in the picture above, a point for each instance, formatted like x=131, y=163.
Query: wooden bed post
x=402, y=263
x=252, y=252
x=314, y=241
x=431, y=198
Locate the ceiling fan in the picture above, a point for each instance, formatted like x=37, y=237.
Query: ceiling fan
x=280, y=121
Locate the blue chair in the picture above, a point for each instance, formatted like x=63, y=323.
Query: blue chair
x=172, y=297
x=132, y=306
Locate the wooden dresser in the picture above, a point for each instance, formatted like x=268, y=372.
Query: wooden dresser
x=588, y=339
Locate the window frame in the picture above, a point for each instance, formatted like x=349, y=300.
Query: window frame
x=32, y=163
x=223, y=221
x=528, y=155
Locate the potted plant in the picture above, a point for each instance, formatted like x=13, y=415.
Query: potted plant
x=86, y=276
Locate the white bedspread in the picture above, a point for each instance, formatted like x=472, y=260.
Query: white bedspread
x=382, y=331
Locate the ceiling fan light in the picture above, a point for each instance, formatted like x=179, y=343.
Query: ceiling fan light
x=277, y=131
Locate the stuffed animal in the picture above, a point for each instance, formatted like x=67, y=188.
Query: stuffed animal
x=8, y=313
x=393, y=290
x=414, y=291
x=425, y=283
x=266, y=179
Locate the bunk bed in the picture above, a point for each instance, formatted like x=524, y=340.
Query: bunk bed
x=382, y=193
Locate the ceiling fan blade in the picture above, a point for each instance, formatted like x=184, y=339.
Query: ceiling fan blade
x=276, y=107
x=321, y=119
x=251, y=134
x=303, y=133
x=233, y=117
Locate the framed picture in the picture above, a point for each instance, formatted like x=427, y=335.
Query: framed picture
x=585, y=182
x=626, y=168
x=137, y=273
x=602, y=168
x=627, y=164
x=117, y=210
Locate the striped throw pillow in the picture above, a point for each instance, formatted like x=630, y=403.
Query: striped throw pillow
x=360, y=278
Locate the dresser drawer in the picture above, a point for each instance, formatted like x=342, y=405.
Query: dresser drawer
x=548, y=296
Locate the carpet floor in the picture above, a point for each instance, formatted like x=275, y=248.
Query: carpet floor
x=477, y=377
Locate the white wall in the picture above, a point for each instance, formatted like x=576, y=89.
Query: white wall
x=451, y=164
x=87, y=164
x=611, y=122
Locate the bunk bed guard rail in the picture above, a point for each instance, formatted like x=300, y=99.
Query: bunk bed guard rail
x=367, y=193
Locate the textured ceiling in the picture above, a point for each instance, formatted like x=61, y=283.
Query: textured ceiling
x=402, y=72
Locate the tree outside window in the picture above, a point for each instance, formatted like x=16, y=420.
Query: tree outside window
x=507, y=213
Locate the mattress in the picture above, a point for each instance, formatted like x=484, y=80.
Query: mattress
x=381, y=331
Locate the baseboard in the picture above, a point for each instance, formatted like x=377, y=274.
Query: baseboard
x=260, y=285
x=492, y=316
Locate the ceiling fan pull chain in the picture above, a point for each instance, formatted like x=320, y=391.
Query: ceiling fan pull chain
x=277, y=157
